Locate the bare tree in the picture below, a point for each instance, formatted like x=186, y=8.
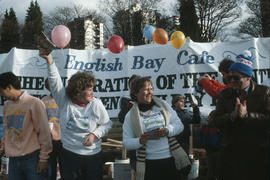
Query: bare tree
x=189, y=20
x=265, y=9
x=215, y=15
x=128, y=17
x=64, y=15
x=258, y=23
x=1, y=21
x=254, y=21
x=60, y=15
x=1, y=15
x=111, y=7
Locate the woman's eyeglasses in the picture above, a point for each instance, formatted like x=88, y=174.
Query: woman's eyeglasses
x=148, y=89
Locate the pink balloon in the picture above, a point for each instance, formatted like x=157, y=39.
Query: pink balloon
x=61, y=36
x=115, y=44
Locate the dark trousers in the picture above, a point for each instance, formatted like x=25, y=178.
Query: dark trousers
x=82, y=167
x=212, y=158
x=248, y=164
x=132, y=157
x=25, y=167
x=160, y=169
x=55, y=157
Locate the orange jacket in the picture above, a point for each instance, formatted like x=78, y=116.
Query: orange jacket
x=213, y=87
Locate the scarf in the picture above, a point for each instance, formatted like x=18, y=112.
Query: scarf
x=75, y=101
x=179, y=155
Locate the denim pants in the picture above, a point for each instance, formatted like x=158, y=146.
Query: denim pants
x=82, y=167
x=24, y=167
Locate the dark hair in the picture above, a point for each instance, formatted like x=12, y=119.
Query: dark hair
x=8, y=78
x=211, y=114
x=47, y=84
x=176, y=98
x=137, y=84
x=134, y=76
x=78, y=82
x=225, y=64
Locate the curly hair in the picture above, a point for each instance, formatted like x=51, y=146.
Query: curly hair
x=78, y=82
x=137, y=84
x=225, y=64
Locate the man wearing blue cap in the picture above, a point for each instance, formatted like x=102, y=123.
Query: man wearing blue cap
x=243, y=112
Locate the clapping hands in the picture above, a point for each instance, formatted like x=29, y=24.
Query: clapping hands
x=240, y=109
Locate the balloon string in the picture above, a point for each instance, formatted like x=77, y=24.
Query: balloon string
x=62, y=51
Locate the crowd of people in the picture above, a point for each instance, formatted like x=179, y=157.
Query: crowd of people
x=67, y=126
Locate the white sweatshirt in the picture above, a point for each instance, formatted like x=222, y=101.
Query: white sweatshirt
x=77, y=122
x=155, y=149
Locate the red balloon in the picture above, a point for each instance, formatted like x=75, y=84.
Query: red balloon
x=115, y=44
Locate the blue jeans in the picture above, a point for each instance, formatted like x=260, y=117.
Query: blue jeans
x=24, y=167
x=82, y=167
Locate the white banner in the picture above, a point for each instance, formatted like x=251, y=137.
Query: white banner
x=172, y=71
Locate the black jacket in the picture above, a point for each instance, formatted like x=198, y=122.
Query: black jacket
x=125, y=106
x=245, y=145
x=187, y=118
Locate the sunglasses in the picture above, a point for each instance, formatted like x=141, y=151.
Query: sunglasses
x=235, y=77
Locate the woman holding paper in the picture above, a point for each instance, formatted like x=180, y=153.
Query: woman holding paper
x=149, y=127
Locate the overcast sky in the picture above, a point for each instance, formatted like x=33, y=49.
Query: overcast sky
x=20, y=6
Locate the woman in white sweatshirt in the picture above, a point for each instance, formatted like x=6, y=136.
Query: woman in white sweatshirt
x=83, y=121
x=148, y=128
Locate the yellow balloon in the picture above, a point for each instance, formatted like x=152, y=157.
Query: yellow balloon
x=178, y=39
